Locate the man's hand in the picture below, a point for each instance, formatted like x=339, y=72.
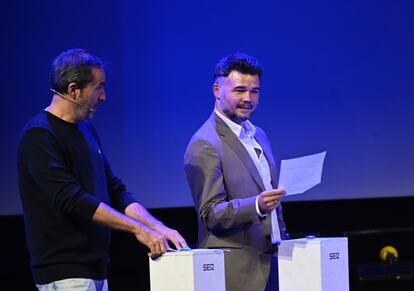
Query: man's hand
x=270, y=199
x=155, y=241
x=140, y=214
x=172, y=235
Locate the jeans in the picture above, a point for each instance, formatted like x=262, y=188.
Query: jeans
x=75, y=284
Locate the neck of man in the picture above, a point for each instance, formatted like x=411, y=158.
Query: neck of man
x=62, y=110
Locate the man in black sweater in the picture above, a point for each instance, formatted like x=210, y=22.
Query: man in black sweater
x=70, y=196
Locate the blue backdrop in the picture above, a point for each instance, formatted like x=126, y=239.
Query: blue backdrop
x=338, y=76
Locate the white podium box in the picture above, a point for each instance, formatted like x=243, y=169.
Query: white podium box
x=194, y=270
x=314, y=264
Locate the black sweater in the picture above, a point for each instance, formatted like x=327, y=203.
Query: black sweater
x=63, y=176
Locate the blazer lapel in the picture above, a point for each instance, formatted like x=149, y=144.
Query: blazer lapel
x=228, y=137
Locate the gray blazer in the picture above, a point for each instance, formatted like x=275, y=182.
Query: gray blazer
x=224, y=183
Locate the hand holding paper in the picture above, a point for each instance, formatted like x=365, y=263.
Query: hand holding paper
x=269, y=199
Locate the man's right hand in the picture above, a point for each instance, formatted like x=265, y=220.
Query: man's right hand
x=270, y=199
x=155, y=241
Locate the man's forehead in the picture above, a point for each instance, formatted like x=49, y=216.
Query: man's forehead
x=98, y=74
x=236, y=78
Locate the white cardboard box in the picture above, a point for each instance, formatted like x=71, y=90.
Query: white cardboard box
x=194, y=270
x=314, y=264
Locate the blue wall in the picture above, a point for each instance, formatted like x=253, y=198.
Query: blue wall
x=338, y=76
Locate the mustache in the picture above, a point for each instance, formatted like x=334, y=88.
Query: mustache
x=245, y=105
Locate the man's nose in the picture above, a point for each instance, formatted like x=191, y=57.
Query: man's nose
x=247, y=96
x=102, y=97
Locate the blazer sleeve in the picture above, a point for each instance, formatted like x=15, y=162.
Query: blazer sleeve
x=217, y=210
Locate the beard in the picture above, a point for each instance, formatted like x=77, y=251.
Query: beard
x=237, y=118
x=83, y=113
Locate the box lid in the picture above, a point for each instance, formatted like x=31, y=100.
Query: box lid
x=315, y=240
x=193, y=252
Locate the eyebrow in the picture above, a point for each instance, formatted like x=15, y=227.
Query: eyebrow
x=244, y=87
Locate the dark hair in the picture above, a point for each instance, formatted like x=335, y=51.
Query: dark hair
x=239, y=62
x=74, y=65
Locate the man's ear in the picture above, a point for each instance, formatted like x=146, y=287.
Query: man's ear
x=73, y=90
x=216, y=90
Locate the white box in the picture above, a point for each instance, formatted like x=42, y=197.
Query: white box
x=194, y=270
x=314, y=264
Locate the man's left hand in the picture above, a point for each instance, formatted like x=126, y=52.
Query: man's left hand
x=172, y=235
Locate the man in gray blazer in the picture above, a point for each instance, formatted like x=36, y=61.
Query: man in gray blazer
x=232, y=174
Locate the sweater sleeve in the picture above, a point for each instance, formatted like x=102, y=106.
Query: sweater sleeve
x=119, y=197
x=44, y=161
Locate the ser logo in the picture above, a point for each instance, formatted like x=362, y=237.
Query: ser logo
x=208, y=267
x=333, y=256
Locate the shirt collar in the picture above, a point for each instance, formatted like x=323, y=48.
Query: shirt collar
x=247, y=129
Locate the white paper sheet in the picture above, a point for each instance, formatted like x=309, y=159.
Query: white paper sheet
x=300, y=174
